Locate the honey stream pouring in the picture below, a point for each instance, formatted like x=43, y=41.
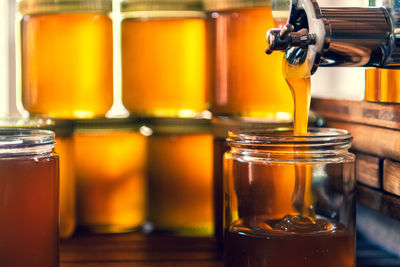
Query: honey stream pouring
x=316, y=36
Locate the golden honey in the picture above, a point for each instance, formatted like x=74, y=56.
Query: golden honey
x=180, y=159
x=164, y=59
x=110, y=162
x=248, y=83
x=66, y=58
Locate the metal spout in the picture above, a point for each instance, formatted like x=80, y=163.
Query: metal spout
x=283, y=38
x=339, y=36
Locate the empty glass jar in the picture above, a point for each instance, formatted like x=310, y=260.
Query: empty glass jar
x=289, y=200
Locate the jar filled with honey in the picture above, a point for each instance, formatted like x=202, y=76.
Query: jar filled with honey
x=247, y=83
x=64, y=148
x=180, y=200
x=290, y=200
x=164, y=58
x=220, y=128
x=110, y=162
x=66, y=54
x=29, y=198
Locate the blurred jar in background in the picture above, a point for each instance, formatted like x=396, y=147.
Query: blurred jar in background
x=29, y=198
x=66, y=57
x=382, y=85
x=110, y=159
x=65, y=148
x=248, y=83
x=180, y=177
x=164, y=58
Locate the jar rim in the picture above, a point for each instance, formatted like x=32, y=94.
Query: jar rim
x=20, y=138
x=30, y=7
x=285, y=137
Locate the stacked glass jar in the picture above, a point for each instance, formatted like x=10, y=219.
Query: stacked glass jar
x=166, y=78
x=66, y=52
x=66, y=73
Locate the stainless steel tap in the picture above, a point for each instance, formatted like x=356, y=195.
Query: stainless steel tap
x=344, y=36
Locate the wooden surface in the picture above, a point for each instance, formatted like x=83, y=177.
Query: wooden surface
x=377, y=114
x=368, y=170
x=384, y=203
x=137, y=249
x=391, y=177
x=378, y=141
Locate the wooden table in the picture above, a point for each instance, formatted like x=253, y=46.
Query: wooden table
x=138, y=249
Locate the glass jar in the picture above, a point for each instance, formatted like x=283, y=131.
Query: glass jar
x=110, y=163
x=220, y=127
x=29, y=198
x=164, y=58
x=247, y=83
x=289, y=200
x=64, y=148
x=179, y=177
x=66, y=57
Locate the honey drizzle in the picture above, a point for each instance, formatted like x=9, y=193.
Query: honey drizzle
x=297, y=74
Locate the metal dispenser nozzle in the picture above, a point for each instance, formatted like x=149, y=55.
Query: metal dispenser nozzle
x=340, y=36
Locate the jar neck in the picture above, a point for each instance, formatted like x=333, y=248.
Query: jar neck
x=33, y=7
x=23, y=142
x=281, y=143
x=223, y=5
x=161, y=5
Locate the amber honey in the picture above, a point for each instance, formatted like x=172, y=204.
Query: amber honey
x=180, y=199
x=28, y=204
x=248, y=82
x=299, y=81
x=164, y=61
x=67, y=64
x=283, y=249
x=110, y=173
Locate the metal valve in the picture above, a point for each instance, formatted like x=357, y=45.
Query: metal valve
x=342, y=36
x=283, y=38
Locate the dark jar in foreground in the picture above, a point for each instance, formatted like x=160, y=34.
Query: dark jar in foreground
x=289, y=200
x=28, y=198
